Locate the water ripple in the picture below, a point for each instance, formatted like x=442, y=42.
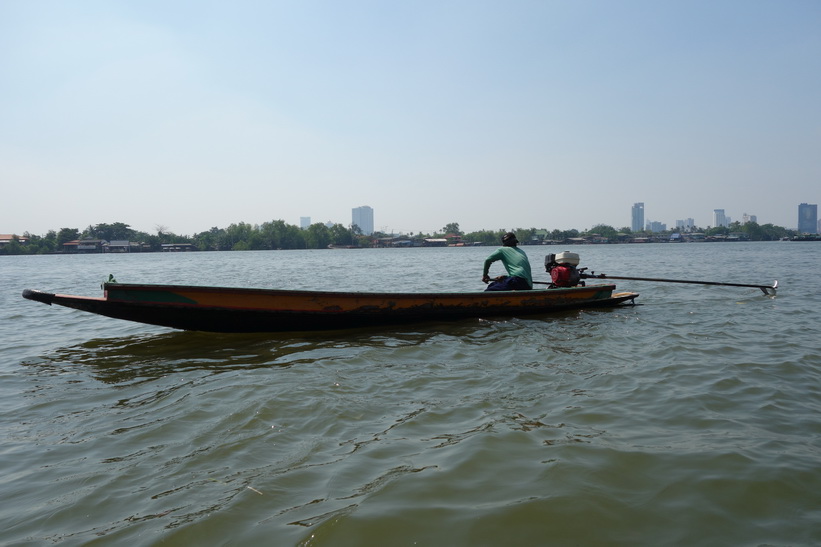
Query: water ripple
x=692, y=419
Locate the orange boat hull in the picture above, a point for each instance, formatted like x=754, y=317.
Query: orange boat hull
x=225, y=309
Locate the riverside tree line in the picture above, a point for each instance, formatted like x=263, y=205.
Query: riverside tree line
x=278, y=234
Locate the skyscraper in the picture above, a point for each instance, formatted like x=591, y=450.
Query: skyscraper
x=637, y=224
x=656, y=226
x=719, y=219
x=808, y=218
x=363, y=217
x=686, y=225
x=304, y=222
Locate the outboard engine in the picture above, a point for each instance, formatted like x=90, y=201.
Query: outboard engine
x=562, y=269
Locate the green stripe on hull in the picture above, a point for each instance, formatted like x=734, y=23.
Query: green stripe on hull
x=164, y=297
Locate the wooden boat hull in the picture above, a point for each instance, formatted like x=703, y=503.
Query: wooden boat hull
x=224, y=309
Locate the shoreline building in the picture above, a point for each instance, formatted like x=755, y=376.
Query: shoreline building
x=363, y=217
x=719, y=218
x=745, y=218
x=808, y=218
x=637, y=217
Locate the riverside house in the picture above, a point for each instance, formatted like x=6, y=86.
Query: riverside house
x=5, y=239
x=84, y=246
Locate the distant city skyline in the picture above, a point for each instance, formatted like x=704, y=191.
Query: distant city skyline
x=482, y=113
x=807, y=219
x=638, y=222
x=364, y=215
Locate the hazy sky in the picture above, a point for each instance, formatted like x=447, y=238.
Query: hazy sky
x=492, y=114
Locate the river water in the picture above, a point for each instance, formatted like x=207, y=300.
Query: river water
x=693, y=418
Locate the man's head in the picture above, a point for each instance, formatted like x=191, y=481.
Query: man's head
x=509, y=240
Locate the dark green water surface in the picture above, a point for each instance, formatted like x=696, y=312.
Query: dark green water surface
x=691, y=419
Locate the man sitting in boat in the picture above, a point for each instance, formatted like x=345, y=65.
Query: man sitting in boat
x=516, y=263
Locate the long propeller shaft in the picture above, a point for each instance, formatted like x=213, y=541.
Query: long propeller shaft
x=766, y=289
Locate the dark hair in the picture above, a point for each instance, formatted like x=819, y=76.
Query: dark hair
x=509, y=239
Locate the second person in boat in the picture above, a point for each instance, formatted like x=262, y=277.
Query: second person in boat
x=516, y=263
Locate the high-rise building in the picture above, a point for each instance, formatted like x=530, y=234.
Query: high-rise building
x=656, y=226
x=745, y=218
x=637, y=216
x=808, y=218
x=363, y=217
x=304, y=222
x=719, y=218
x=686, y=225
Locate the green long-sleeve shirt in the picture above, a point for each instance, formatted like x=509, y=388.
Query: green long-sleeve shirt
x=515, y=261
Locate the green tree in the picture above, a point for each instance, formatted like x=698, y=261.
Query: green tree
x=486, y=237
x=752, y=230
x=769, y=232
x=604, y=230
x=154, y=242
x=38, y=244
x=256, y=241
x=109, y=232
x=239, y=236
x=524, y=235
x=278, y=234
x=49, y=242
x=207, y=241
x=717, y=231
x=317, y=236
x=67, y=234
x=273, y=233
x=293, y=238
x=166, y=236
x=341, y=235
x=452, y=228
x=563, y=235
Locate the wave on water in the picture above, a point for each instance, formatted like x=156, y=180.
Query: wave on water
x=692, y=419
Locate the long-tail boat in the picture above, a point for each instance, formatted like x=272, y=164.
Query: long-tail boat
x=226, y=309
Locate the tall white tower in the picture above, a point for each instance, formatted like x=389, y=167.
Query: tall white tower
x=637, y=216
x=363, y=217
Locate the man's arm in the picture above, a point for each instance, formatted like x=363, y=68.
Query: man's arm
x=488, y=261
